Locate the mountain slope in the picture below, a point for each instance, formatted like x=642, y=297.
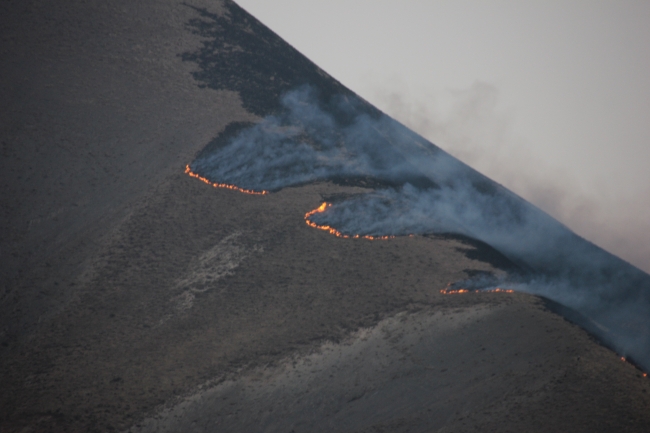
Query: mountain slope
x=130, y=286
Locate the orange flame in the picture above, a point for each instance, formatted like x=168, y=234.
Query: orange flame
x=453, y=292
x=448, y=291
x=321, y=208
x=499, y=289
x=624, y=359
x=223, y=185
x=332, y=230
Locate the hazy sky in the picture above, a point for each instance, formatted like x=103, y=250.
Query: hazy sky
x=549, y=98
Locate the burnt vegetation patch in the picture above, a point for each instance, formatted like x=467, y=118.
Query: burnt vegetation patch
x=481, y=251
x=241, y=54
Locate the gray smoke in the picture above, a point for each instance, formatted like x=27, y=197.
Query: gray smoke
x=420, y=189
x=302, y=144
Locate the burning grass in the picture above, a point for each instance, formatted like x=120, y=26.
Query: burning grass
x=189, y=171
x=449, y=291
x=331, y=230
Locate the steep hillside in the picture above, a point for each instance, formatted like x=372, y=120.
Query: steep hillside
x=137, y=297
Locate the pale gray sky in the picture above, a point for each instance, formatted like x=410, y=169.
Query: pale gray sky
x=549, y=98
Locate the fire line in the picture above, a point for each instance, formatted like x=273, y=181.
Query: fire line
x=448, y=291
x=332, y=230
x=322, y=208
x=189, y=171
x=457, y=291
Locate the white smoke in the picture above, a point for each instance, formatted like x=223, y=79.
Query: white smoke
x=421, y=189
x=473, y=126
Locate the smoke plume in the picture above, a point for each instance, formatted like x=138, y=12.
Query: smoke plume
x=420, y=189
x=476, y=129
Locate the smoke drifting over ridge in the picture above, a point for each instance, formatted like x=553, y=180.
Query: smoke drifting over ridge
x=475, y=129
x=305, y=143
x=420, y=189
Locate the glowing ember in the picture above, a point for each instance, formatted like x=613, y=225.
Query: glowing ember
x=498, y=289
x=449, y=291
x=321, y=208
x=332, y=230
x=624, y=359
x=223, y=185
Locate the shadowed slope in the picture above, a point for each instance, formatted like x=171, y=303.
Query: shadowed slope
x=97, y=109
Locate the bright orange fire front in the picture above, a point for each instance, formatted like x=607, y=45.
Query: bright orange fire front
x=223, y=185
x=332, y=230
x=448, y=291
x=321, y=208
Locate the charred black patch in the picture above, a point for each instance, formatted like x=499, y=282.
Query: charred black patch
x=478, y=250
x=239, y=53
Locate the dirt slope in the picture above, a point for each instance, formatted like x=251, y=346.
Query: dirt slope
x=128, y=286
